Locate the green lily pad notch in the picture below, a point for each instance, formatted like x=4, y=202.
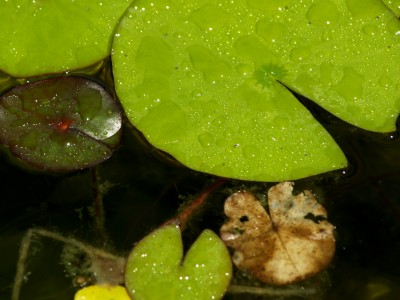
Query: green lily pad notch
x=155, y=269
x=206, y=80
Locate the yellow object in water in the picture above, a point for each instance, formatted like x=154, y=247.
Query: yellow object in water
x=102, y=292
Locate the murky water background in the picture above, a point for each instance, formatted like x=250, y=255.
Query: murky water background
x=142, y=190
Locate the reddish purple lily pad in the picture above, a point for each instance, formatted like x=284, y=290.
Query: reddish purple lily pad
x=60, y=124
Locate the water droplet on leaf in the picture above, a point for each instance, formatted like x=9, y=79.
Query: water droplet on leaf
x=385, y=81
x=300, y=53
x=270, y=31
x=370, y=30
x=351, y=85
x=206, y=140
x=323, y=13
x=251, y=152
x=209, y=16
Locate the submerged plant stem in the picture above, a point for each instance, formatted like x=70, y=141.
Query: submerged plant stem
x=267, y=291
x=183, y=217
x=23, y=255
x=97, y=256
x=98, y=207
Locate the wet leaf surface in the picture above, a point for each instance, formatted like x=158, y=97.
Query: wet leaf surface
x=40, y=37
x=394, y=6
x=224, y=74
x=59, y=124
x=290, y=242
x=156, y=268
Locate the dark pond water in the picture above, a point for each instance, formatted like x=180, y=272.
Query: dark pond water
x=140, y=190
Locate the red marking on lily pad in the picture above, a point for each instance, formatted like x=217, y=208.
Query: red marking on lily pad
x=64, y=124
x=60, y=124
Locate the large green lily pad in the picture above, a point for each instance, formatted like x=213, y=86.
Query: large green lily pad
x=39, y=37
x=206, y=80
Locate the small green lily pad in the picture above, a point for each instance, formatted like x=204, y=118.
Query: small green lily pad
x=39, y=37
x=60, y=124
x=155, y=269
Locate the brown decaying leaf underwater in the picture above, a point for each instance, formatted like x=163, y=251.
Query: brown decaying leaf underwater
x=290, y=242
